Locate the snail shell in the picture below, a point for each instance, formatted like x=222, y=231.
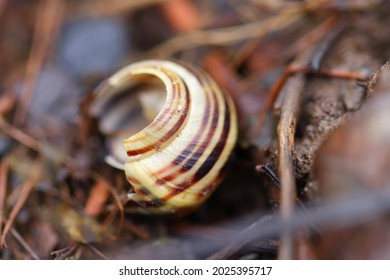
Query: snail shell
x=176, y=161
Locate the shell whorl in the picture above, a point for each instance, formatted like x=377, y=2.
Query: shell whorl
x=176, y=162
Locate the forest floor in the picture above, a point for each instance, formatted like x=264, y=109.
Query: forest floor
x=310, y=176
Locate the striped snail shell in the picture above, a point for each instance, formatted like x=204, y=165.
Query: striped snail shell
x=176, y=161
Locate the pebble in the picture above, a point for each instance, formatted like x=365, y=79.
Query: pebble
x=93, y=46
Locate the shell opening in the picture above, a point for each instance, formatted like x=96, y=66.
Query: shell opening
x=126, y=110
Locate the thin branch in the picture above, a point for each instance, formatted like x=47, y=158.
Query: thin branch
x=96, y=251
x=286, y=133
x=271, y=97
x=3, y=190
x=108, y=8
x=19, y=136
x=66, y=252
x=300, y=45
x=294, y=69
x=303, y=43
x=47, y=23
x=24, y=244
x=26, y=189
x=350, y=210
x=238, y=244
x=325, y=45
x=229, y=35
x=266, y=169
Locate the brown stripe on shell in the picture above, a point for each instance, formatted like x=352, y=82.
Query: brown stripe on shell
x=209, y=163
x=189, y=150
x=202, y=147
x=164, y=116
x=169, y=134
x=214, y=155
x=209, y=134
x=194, y=143
x=204, y=192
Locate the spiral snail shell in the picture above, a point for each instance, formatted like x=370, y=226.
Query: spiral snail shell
x=176, y=161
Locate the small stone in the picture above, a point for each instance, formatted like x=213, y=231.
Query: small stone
x=93, y=46
x=56, y=95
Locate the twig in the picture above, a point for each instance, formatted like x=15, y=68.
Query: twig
x=313, y=36
x=66, y=252
x=24, y=244
x=104, y=8
x=213, y=233
x=30, y=142
x=218, y=66
x=3, y=189
x=239, y=243
x=324, y=47
x=136, y=230
x=20, y=136
x=350, y=210
x=47, y=22
x=293, y=69
x=286, y=133
x=96, y=251
x=308, y=39
x=26, y=189
x=271, y=97
x=266, y=169
x=228, y=35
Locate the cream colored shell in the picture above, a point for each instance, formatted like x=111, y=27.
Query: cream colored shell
x=176, y=162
